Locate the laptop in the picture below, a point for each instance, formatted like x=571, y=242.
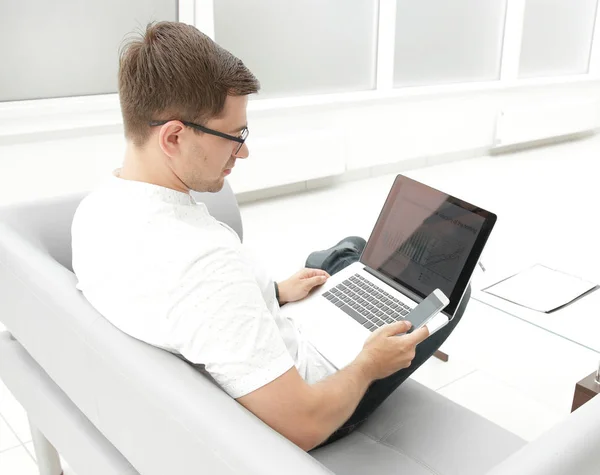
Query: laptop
x=423, y=240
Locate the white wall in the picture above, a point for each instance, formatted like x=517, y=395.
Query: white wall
x=289, y=142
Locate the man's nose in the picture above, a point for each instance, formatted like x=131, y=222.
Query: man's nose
x=243, y=152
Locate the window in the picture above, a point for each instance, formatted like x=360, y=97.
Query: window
x=68, y=48
x=305, y=47
x=441, y=41
x=557, y=37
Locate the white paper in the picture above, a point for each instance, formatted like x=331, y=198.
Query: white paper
x=540, y=288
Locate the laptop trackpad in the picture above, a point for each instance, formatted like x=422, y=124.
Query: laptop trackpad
x=337, y=338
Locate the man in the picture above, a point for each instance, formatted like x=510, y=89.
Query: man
x=160, y=268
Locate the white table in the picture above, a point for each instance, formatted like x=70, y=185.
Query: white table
x=578, y=322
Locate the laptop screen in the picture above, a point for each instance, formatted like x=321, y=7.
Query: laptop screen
x=425, y=239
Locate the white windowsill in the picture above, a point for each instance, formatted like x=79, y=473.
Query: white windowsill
x=414, y=91
x=28, y=118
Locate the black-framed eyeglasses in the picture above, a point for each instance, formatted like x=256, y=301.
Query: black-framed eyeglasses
x=239, y=139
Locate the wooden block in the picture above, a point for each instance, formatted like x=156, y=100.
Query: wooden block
x=585, y=390
x=440, y=355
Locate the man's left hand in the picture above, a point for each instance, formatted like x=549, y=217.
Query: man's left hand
x=300, y=284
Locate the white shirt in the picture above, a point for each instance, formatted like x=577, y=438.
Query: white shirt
x=159, y=267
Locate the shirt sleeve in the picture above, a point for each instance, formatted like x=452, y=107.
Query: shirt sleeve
x=220, y=319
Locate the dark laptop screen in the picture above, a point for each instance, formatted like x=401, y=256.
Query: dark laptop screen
x=425, y=239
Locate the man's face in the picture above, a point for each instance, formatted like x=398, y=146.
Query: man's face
x=204, y=160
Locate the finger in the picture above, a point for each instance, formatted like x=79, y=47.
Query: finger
x=308, y=272
x=419, y=335
x=314, y=281
x=396, y=328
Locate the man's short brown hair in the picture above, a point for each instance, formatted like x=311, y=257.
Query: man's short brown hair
x=176, y=72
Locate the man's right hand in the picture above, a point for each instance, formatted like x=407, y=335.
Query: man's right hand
x=387, y=351
x=308, y=414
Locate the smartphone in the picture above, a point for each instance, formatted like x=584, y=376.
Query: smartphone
x=422, y=314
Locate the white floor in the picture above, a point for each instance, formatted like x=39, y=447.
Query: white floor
x=507, y=370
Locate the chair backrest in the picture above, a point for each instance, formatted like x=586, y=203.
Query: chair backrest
x=224, y=207
x=45, y=224
x=157, y=410
x=48, y=223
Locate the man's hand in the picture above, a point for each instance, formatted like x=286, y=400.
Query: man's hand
x=387, y=351
x=300, y=284
x=308, y=414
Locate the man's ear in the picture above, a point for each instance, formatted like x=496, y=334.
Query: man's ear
x=169, y=138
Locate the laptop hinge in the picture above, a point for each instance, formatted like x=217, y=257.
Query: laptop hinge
x=395, y=285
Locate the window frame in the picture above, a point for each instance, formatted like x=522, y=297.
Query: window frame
x=30, y=117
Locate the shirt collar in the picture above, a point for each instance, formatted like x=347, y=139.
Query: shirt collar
x=152, y=191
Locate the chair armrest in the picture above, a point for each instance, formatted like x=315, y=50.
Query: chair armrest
x=572, y=446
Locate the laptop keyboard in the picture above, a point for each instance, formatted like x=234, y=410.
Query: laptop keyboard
x=367, y=303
